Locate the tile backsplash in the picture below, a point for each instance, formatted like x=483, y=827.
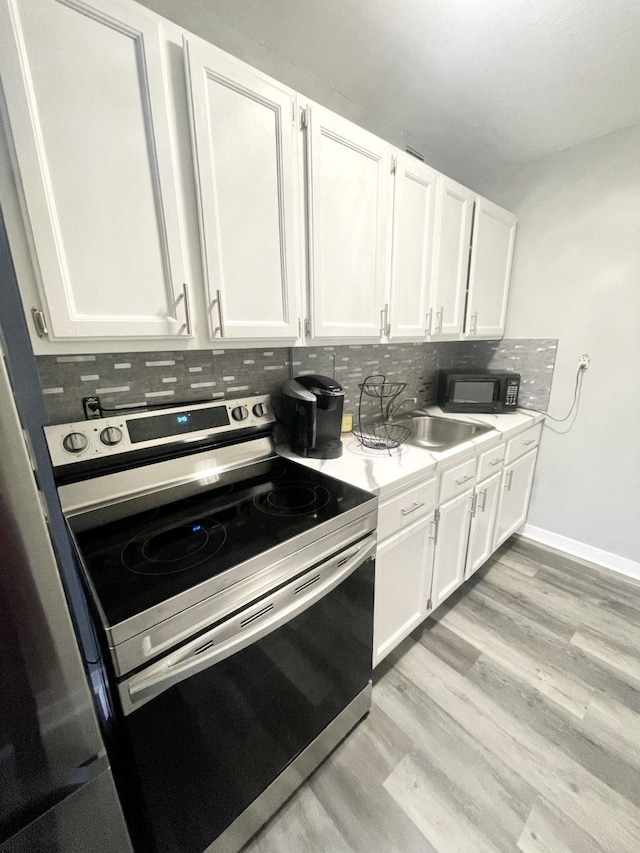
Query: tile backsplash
x=123, y=380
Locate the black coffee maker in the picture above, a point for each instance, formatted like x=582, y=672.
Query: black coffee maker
x=313, y=406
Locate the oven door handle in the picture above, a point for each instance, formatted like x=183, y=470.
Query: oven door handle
x=251, y=625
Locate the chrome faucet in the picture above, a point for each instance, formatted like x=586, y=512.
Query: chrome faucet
x=391, y=409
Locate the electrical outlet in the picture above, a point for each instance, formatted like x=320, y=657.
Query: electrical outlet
x=584, y=361
x=91, y=406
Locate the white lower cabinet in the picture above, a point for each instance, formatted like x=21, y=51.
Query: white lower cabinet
x=483, y=522
x=517, y=481
x=403, y=579
x=451, y=547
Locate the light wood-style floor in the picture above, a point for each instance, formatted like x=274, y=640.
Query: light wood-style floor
x=509, y=721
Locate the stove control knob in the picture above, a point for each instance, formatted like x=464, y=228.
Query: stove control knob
x=239, y=413
x=111, y=436
x=75, y=442
x=259, y=410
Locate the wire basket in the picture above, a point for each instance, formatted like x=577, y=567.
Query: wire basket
x=377, y=386
x=381, y=436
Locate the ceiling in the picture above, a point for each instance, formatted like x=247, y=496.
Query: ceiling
x=477, y=84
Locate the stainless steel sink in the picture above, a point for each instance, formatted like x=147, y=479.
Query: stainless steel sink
x=437, y=433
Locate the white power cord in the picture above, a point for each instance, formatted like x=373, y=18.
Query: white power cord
x=581, y=369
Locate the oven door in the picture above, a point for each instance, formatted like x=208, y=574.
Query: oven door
x=212, y=725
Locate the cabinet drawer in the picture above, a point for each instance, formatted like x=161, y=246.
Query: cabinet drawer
x=406, y=508
x=490, y=462
x=457, y=480
x=527, y=440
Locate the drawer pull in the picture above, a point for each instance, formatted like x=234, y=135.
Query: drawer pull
x=496, y=461
x=464, y=479
x=412, y=508
x=531, y=441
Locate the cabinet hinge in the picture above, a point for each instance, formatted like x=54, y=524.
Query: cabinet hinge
x=394, y=164
x=39, y=322
x=307, y=328
x=29, y=449
x=303, y=119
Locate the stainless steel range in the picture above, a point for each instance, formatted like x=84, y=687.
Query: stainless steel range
x=234, y=593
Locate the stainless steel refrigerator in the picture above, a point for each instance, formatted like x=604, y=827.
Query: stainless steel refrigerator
x=57, y=793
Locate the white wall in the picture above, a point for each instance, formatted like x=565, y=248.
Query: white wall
x=576, y=277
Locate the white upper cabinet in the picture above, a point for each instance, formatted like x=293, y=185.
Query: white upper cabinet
x=451, y=264
x=414, y=210
x=349, y=172
x=245, y=138
x=494, y=231
x=86, y=96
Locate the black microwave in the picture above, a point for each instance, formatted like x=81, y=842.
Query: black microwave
x=478, y=391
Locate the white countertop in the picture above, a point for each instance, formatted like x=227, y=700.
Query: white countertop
x=383, y=473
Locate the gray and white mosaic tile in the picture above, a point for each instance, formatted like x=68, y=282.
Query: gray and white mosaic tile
x=136, y=379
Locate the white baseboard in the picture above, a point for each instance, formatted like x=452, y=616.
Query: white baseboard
x=578, y=549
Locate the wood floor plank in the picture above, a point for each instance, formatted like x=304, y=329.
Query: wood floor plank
x=502, y=640
x=580, y=668
x=575, y=791
x=567, y=607
x=435, y=808
x=623, y=659
x=616, y=729
x=449, y=647
x=365, y=813
x=590, y=744
x=491, y=796
x=549, y=831
x=302, y=824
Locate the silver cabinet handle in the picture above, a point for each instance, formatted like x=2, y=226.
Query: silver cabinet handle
x=496, y=461
x=383, y=324
x=218, y=301
x=531, y=441
x=428, y=320
x=440, y=316
x=187, y=307
x=474, y=323
x=464, y=479
x=387, y=321
x=39, y=322
x=484, y=500
x=412, y=508
x=474, y=501
x=508, y=479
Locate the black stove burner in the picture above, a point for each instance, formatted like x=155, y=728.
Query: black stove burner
x=163, y=551
x=293, y=499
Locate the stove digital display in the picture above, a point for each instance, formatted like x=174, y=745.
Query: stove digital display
x=163, y=426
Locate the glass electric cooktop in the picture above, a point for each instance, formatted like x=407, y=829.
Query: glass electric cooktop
x=144, y=559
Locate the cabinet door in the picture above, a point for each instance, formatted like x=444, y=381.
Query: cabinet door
x=494, y=231
x=349, y=186
x=485, y=507
x=517, y=481
x=403, y=578
x=87, y=102
x=451, y=546
x=412, y=248
x=245, y=140
x=451, y=260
